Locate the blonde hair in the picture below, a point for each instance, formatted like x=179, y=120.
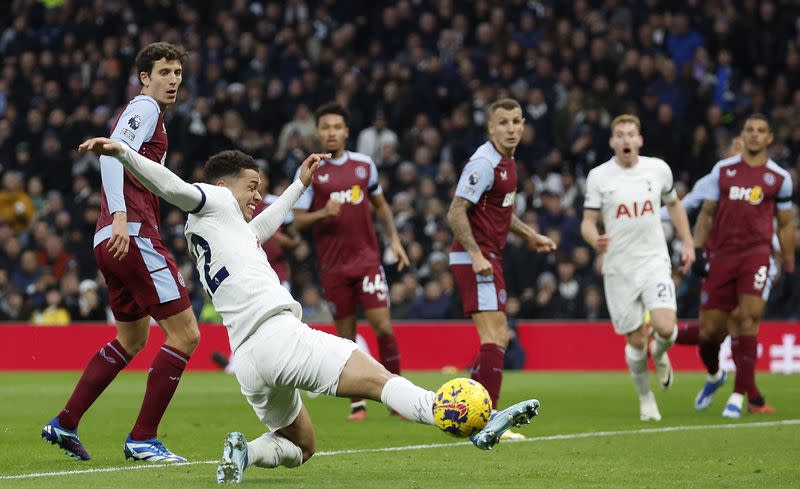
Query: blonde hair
x=626, y=119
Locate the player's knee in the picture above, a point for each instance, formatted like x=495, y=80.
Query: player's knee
x=382, y=327
x=749, y=324
x=308, y=450
x=185, y=338
x=133, y=345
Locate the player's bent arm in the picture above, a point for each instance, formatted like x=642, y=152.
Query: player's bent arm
x=265, y=224
x=459, y=223
x=704, y=222
x=161, y=181
x=589, y=229
x=681, y=222
x=786, y=234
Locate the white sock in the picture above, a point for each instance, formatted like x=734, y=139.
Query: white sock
x=270, y=450
x=662, y=344
x=736, y=399
x=715, y=377
x=637, y=364
x=410, y=401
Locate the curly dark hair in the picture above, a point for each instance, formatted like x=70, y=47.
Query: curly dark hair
x=228, y=163
x=153, y=52
x=333, y=108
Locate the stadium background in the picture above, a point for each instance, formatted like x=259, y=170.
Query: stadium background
x=417, y=77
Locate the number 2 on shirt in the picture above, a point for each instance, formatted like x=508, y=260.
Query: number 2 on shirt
x=211, y=282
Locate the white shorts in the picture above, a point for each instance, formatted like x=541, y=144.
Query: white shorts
x=628, y=296
x=285, y=355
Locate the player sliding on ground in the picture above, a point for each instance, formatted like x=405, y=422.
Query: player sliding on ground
x=276, y=354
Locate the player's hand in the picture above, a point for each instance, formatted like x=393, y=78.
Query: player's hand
x=332, y=208
x=310, y=165
x=101, y=146
x=480, y=265
x=602, y=243
x=688, y=257
x=699, y=268
x=542, y=243
x=400, y=253
x=120, y=241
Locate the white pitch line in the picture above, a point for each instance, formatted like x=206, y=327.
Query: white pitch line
x=568, y=436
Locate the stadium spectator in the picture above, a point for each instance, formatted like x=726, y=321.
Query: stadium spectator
x=16, y=206
x=372, y=139
x=52, y=312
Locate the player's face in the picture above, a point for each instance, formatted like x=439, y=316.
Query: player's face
x=756, y=136
x=505, y=129
x=163, y=81
x=245, y=189
x=332, y=132
x=626, y=142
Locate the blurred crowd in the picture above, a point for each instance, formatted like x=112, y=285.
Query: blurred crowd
x=417, y=76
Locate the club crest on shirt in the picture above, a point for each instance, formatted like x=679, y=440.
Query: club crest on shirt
x=503, y=175
x=769, y=179
x=135, y=122
x=361, y=172
x=324, y=178
x=474, y=177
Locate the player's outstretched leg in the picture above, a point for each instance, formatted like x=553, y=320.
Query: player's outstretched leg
x=66, y=439
x=234, y=459
x=516, y=415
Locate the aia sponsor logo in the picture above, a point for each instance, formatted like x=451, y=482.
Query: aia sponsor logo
x=353, y=195
x=635, y=209
x=754, y=195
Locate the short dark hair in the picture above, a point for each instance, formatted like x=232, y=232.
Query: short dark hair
x=757, y=116
x=334, y=108
x=153, y=52
x=505, y=104
x=228, y=163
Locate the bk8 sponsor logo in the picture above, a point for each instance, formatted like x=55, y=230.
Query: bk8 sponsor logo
x=754, y=195
x=353, y=195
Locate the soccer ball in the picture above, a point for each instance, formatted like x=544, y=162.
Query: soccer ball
x=462, y=407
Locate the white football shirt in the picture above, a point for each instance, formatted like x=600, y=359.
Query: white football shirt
x=233, y=267
x=629, y=201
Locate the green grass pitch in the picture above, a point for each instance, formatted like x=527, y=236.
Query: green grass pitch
x=603, y=444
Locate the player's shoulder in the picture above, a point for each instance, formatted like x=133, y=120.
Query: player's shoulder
x=775, y=167
x=729, y=161
x=359, y=157
x=144, y=104
x=603, y=169
x=213, y=194
x=488, y=153
x=653, y=162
